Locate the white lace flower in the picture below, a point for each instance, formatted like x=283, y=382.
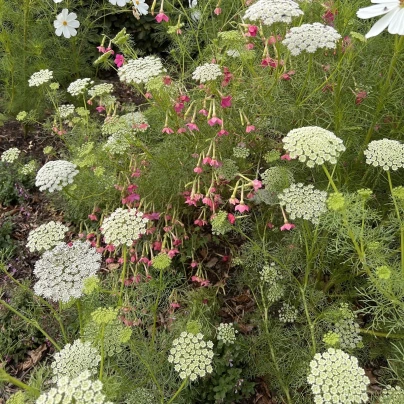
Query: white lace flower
x=226, y=333
x=64, y=111
x=288, y=313
x=10, y=155
x=335, y=377
x=46, y=236
x=310, y=37
x=191, y=356
x=79, y=86
x=81, y=390
x=393, y=18
x=41, y=77
x=141, y=6
x=74, y=359
x=304, y=201
x=101, y=89
x=55, y=175
x=313, y=145
x=66, y=24
x=207, y=72
x=140, y=70
x=271, y=11
x=385, y=153
x=392, y=395
x=61, y=272
x=124, y=226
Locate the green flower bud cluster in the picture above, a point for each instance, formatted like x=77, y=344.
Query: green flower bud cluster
x=117, y=143
x=241, y=152
x=336, y=201
x=116, y=335
x=313, y=145
x=17, y=398
x=161, y=261
x=364, y=193
x=391, y=395
x=231, y=38
x=123, y=227
x=288, y=313
x=61, y=272
x=383, y=272
x=348, y=331
x=398, y=193
x=140, y=395
x=10, y=155
x=46, y=236
x=76, y=390
x=220, y=223
x=304, y=201
x=228, y=170
x=74, y=359
x=331, y=339
x=385, y=153
x=91, y=284
x=194, y=327
x=191, y=356
x=21, y=116
x=29, y=168
x=335, y=377
x=104, y=315
x=272, y=286
x=226, y=333
x=271, y=156
x=276, y=179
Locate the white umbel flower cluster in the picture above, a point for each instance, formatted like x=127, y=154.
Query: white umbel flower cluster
x=335, y=377
x=10, y=155
x=55, y=175
x=392, y=395
x=140, y=70
x=191, y=356
x=310, y=37
x=74, y=359
x=387, y=154
x=79, y=86
x=207, y=72
x=313, y=145
x=63, y=270
x=46, y=236
x=101, y=89
x=39, y=78
x=304, y=201
x=81, y=390
x=123, y=227
x=288, y=313
x=271, y=11
x=64, y=111
x=226, y=333
x=348, y=331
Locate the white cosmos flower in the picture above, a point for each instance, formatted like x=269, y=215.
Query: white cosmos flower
x=393, y=18
x=57, y=1
x=66, y=24
x=120, y=3
x=141, y=7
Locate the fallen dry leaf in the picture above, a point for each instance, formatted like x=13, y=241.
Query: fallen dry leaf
x=34, y=357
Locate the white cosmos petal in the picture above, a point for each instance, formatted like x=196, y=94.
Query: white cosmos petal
x=71, y=17
x=376, y=10
x=59, y=30
x=64, y=13
x=66, y=32
x=73, y=24
x=396, y=2
x=57, y=24
x=397, y=24
x=72, y=31
x=382, y=24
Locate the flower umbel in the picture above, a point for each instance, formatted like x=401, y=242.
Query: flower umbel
x=385, y=153
x=46, y=236
x=55, y=175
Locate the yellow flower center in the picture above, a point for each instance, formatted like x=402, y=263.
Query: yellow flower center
x=401, y=3
x=138, y=2
x=64, y=23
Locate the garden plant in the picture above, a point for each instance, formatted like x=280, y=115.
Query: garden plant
x=225, y=218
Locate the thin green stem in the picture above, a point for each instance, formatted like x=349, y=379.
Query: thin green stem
x=183, y=384
x=102, y=335
x=382, y=334
x=80, y=315
x=4, y=376
x=123, y=273
x=155, y=308
x=327, y=173
x=311, y=325
x=306, y=79
x=34, y=323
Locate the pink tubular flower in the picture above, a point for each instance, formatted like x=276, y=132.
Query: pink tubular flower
x=287, y=76
x=181, y=130
x=242, y=207
x=287, y=226
x=200, y=222
x=222, y=132
x=215, y=121
x=249, y=46
x=218, y=11
x=226, y=102
x=173, y=252
x=250, y=128
x=203, y=112
x=207, y=160
x=167, y=130
x=184, y=98
x=256, y=184
x=93, y=217
x=148, y=96
x=101, y=49
x=192, y=126
x=233, y=200
x=268, y=61
x=119, y=60
x=178, y=107
x=162, y=17
x=215, y=163
x=231, y=218
x=167, y=80
x=286, y=157
x=198, y=170
x=252, y=30
x=100, y=108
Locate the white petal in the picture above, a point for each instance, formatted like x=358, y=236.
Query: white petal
x=57, y=24
x=71, y=17
x=397, y=24
x=64, y=13
x=59, y=30
x=72, y=32
x=66, y=32
x=74, y=24
x=397, y=2
x=382, y=24
x=374, y=11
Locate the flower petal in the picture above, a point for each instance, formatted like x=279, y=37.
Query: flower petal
x=374, y=11
x=382, y=24
x=397, y=24
x=71, y=17
x=72, y=31
x=66, y=32
x=57, y=24
x=74, y=24
x=59, y=30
